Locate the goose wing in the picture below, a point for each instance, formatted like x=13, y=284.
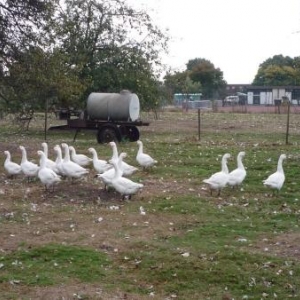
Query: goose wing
x=29, y=168
x=275, y=180
x=12, y=168
x=236, y=176
x=217, y=180
x=145, y=160
x=48, y=176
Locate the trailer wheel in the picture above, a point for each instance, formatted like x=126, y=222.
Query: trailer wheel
x=108, y=134
x=130, y=132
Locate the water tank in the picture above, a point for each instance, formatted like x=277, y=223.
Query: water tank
x=124, y=106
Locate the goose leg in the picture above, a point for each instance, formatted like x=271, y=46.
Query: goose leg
x=126, y=197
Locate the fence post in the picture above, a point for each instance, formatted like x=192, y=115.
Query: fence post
x=287, y=124
x=199, y=124
x=46, y=119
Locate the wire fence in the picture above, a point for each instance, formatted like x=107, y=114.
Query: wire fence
x=236, y=122
x=279, y=122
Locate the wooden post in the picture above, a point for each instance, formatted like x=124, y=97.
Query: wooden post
x=46, y=118
x=199, y=124
x=287, y=124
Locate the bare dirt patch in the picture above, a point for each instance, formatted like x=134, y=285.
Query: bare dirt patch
x=283, y=245
x=83, y=214
x=78, y=213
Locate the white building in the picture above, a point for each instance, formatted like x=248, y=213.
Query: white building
x=265, y=95
x=268, y=95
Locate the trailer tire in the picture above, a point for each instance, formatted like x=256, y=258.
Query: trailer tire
x=108, y=134
x=130, y=132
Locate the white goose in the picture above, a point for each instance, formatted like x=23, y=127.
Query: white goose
x=237, y=176
x=100, y=165
x=124, y=186
x=13, y=169
x=80, y=159
x=127, y=169
x=219, y=180
x=70, y=168
x=46, y=175
x=49, y=163
x=144, y=159
x=276, y=180
x=58, y=161
x=107, y=176
x=29, y=168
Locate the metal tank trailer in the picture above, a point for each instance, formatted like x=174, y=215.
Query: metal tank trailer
x=115, y=117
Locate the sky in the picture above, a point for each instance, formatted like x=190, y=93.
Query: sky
x=235, y=35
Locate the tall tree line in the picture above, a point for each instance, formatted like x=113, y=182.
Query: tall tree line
x=200, y=76
x=278, y=70
x=63, y=51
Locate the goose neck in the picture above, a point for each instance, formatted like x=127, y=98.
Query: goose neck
x=224, y=166
x=140, y=148
x=117, y=169
x=59, y=154
x=24, y=155
x=279, y=166
x=72, y=152
x=240, y=162
x=45, y=147
x=66, y=153
x=43, y=160
x=8, y=156
x=115, y=152
x=95, y=155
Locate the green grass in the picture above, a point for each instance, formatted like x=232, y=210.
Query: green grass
x=223, y=256
x=53, y=264
x=212, y=275
x=241, y=245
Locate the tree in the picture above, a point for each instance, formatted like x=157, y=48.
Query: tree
x=39, y=76
x=21, y=22
x=175, y=82
x=181, y=83
x=21, y=25
x=211, y=78
x=191, y=87
x=278, y=70
x=64, y=53
x=112, y=45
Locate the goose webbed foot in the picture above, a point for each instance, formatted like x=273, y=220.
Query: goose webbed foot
x=126, y=197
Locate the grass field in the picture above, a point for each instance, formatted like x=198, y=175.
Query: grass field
x=81, y=242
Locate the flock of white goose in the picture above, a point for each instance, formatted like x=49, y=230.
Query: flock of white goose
x=72, y=165
x=115, y=172
x=219, y=180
